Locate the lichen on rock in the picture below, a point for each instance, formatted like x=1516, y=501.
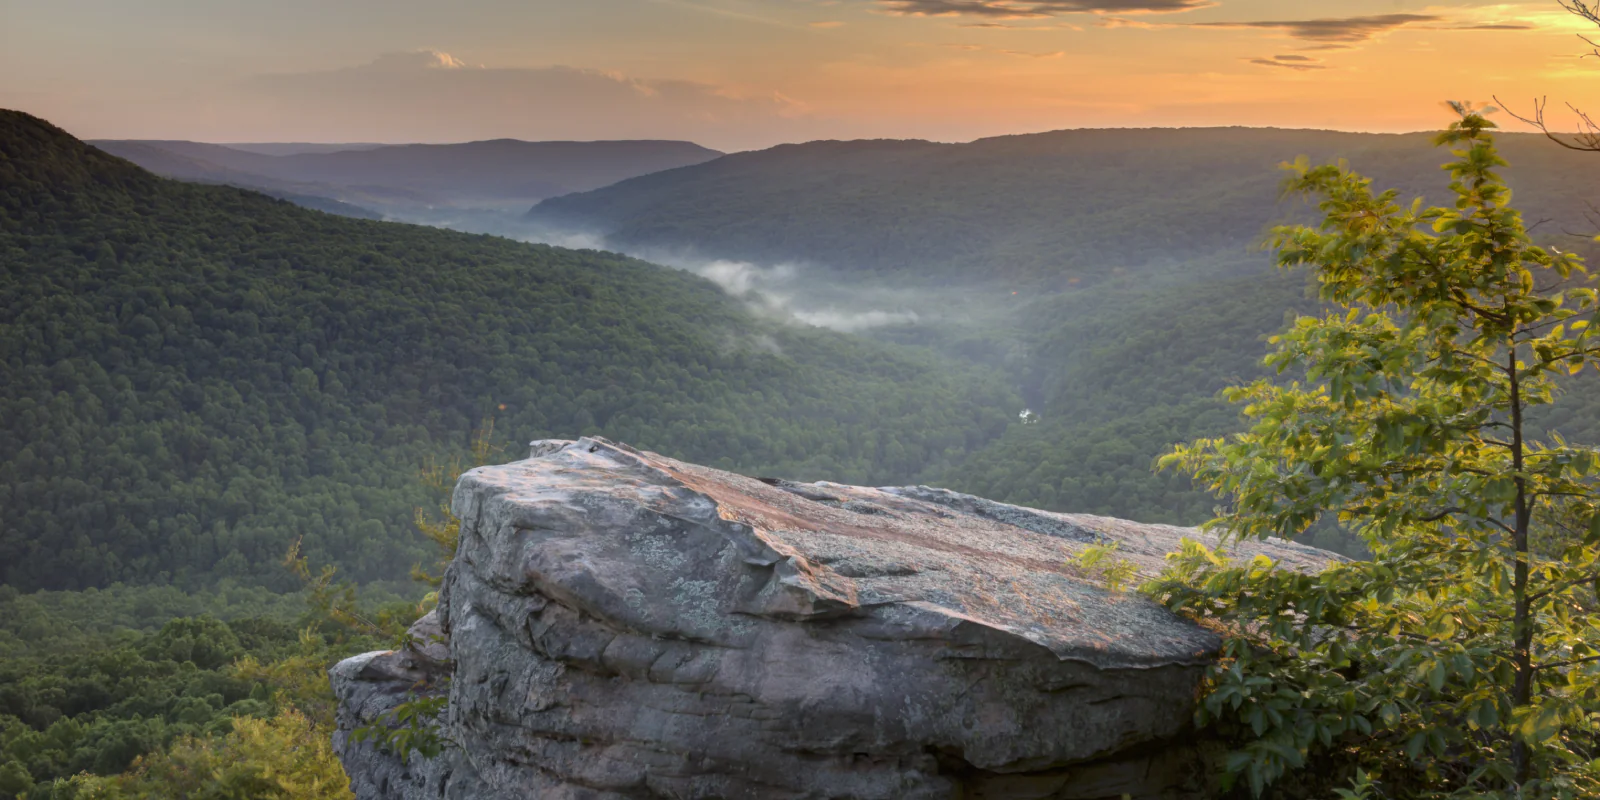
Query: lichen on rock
x=624, y=625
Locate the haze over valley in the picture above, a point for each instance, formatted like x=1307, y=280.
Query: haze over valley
x=1162, y=399
x=437, y=184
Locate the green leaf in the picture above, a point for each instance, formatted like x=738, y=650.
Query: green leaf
x=1416, y=745
x=1543, y=724
x=1436, y=676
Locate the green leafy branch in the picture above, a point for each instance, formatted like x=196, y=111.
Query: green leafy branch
x=410, y=728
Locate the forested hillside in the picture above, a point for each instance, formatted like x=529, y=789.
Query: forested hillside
x=195, y=375
x=1046, y=206
x=1120, y=372
x=1126, y=372
x=1129, y=263
x=192, y=377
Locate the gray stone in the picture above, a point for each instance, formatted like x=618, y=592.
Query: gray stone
x=624, y=625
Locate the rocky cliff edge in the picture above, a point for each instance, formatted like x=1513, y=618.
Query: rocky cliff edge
x=618, y=624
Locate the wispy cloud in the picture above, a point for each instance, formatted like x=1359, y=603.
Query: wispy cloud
x=1034, y=27
x=1293, y=62
x=1333, y=33
x=1495, y=26
x=971, y=48
x=1348, y=29
x=1032, y=9
x=426, y=58
x=1028, y=54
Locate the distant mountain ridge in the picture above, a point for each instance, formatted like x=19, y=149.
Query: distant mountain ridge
x=1066, y=203
x=298, y=148
x=398, y=178
x=192, y=167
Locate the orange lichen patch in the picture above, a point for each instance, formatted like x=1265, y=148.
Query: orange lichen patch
x=764, y=508
x=986, y=576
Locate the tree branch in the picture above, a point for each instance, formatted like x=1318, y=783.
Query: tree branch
x=1586, y=139
x=1563, y=586
x=1574, y=662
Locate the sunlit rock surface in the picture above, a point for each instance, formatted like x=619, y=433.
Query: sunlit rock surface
x=623, y=625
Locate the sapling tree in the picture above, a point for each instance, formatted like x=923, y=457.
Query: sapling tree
x=1463, y=659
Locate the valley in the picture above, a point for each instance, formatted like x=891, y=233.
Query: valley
x=799, y=399
x=198, y=378
x=1118, y=277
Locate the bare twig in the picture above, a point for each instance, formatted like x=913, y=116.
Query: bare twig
x=1585, y=139
x=1589, y=11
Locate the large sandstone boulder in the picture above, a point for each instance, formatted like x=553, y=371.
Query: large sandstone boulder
x=622, y=625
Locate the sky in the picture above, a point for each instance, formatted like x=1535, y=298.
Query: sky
x=745, y=74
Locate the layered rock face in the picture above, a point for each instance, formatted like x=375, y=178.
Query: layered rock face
x=618, y=624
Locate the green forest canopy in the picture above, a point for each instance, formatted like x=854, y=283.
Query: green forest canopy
x=196, y=376
x=1143, y=290
x=192, y=377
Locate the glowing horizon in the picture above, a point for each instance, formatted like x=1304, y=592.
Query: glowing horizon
x=740, y=74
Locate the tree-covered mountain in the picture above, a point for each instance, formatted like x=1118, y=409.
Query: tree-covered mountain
x=1125, y=371
x=404, y=179
x=1123, y=367
x=194, y=376
x=1125, y=261
x=1040, y=206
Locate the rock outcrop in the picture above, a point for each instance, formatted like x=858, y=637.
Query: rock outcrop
x=618, y=624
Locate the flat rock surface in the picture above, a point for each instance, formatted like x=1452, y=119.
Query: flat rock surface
x=621, y=624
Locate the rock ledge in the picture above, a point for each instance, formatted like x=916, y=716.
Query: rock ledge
x=618, y=624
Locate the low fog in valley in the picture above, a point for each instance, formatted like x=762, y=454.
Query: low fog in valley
x=874, y=399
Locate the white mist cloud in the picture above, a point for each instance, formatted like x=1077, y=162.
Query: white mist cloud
x=415, y=60
x=572, y=240
x=778, y=292
x=738, y=278
x=855, y=321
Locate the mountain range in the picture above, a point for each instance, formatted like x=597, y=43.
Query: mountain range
x=403, y=181
x=1040, y=207
x=1108, y=280
x=1116, y=275
x=193, y=377
x=201, y=382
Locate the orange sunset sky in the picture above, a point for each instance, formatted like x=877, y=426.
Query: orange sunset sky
x=739, y=74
